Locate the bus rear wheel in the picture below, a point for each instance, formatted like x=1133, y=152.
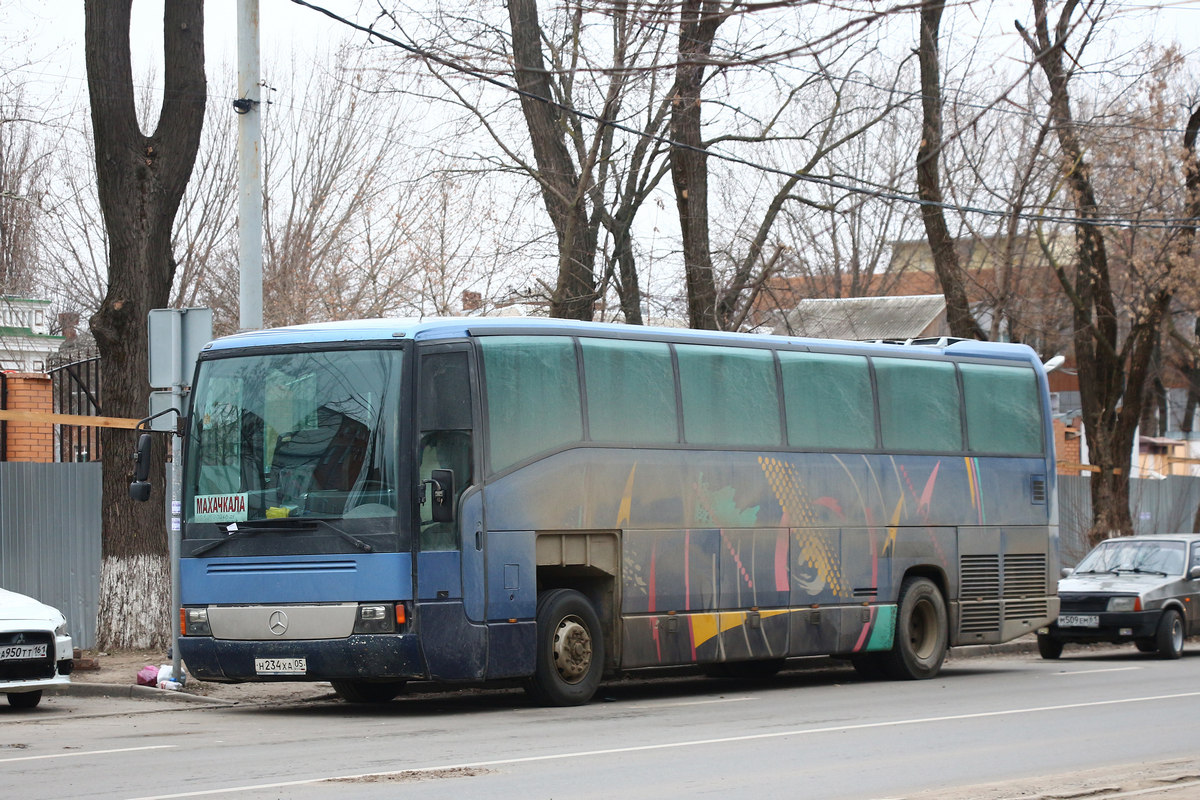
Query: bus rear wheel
x=570, y=650
x=368, y=691
x=922, y=632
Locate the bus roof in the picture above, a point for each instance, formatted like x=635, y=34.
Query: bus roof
x=434, y=328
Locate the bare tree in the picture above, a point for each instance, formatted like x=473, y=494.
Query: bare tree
x=1112, y=367
x=140, y=181
x=24, y=162
x=341, y=189
x=945, y=255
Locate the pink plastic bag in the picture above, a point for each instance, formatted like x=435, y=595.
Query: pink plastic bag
x=147, y=675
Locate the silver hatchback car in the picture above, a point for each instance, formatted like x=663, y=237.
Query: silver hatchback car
x=1140, y=589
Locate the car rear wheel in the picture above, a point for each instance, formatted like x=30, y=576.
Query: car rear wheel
x=1169, y=637
x=24, y=699
x=1048, y=647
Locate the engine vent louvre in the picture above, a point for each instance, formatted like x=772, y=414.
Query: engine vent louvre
x=980, y=577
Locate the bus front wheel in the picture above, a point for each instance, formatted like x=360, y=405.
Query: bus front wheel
x=922, y=632
x=570, y=650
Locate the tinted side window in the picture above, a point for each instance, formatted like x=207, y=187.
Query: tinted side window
x=828, y=400
x=729, y=396
x=1003, y=413
x=918, y=404
x=630, y=391
x=532, y=396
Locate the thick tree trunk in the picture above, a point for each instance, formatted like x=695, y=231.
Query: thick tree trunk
x=929, y=189
x=1111, y=375
x=141, y=180
x=698, y=22
x=565, y=198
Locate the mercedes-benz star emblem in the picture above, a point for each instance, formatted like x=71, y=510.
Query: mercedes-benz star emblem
x=278, y=623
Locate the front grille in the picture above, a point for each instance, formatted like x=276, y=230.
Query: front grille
x=1075, y=603
x=28, y=669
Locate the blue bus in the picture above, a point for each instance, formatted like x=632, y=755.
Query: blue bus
x=553, y=502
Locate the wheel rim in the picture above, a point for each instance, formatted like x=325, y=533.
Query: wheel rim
x=923, y=630
x=572, y=649
x=1177, y=634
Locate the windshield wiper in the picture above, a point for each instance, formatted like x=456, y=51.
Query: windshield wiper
x=1096, y=572
x=234, y=532
x=1140, y=571
x=349, y=537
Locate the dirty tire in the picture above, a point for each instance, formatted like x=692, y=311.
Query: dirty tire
x=25, y=699
x=1169, y=635
x=570, y=650
x=1048, y=647
x=368, y=691
x=922, y=632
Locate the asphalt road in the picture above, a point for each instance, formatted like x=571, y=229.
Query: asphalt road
x=1113, y=721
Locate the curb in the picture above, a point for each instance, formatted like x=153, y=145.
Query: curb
x=137, y=692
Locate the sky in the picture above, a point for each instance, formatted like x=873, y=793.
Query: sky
x=47, y=36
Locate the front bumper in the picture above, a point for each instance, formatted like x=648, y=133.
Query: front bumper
x=359, y=657
x=1114, y=627
x=42, y=674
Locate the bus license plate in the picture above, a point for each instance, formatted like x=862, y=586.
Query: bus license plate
x=1078, y=621
x=281, y=666
x=21, y=652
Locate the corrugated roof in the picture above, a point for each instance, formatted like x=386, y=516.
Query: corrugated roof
x=864, y=318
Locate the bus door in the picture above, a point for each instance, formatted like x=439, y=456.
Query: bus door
x=450, y=587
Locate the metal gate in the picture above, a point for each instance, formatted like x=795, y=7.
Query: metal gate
x=76, y=388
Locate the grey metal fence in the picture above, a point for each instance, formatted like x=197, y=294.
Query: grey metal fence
x=50, y=539
x=1157, y=506
x=50, y=530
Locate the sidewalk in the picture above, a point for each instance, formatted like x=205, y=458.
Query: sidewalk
x=115, y=675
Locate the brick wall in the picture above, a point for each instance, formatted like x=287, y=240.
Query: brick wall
x=28, y=391
x=1066, y=446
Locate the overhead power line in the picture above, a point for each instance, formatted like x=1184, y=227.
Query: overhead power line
x=865, y=191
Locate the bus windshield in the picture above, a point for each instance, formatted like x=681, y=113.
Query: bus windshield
x=294, y=442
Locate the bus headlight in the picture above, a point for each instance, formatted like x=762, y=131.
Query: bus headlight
x=194, y=622
x=376, y=618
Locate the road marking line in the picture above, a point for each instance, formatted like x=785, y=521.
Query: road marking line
x=88, y=753
x=750, y=737
x=1091, y=671
x=654, y=706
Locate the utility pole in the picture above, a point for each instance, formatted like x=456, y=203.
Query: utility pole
x=250, y=199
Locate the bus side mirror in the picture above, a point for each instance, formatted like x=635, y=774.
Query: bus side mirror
x=139, y=489
x=443, y=495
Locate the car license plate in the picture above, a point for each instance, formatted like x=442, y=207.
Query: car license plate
x=21, y=652
x=1078, y=621
x=281, y=666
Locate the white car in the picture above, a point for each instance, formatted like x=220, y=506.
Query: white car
x=35, y=649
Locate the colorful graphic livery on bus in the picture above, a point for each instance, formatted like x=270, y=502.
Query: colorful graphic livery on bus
x=470, y=500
